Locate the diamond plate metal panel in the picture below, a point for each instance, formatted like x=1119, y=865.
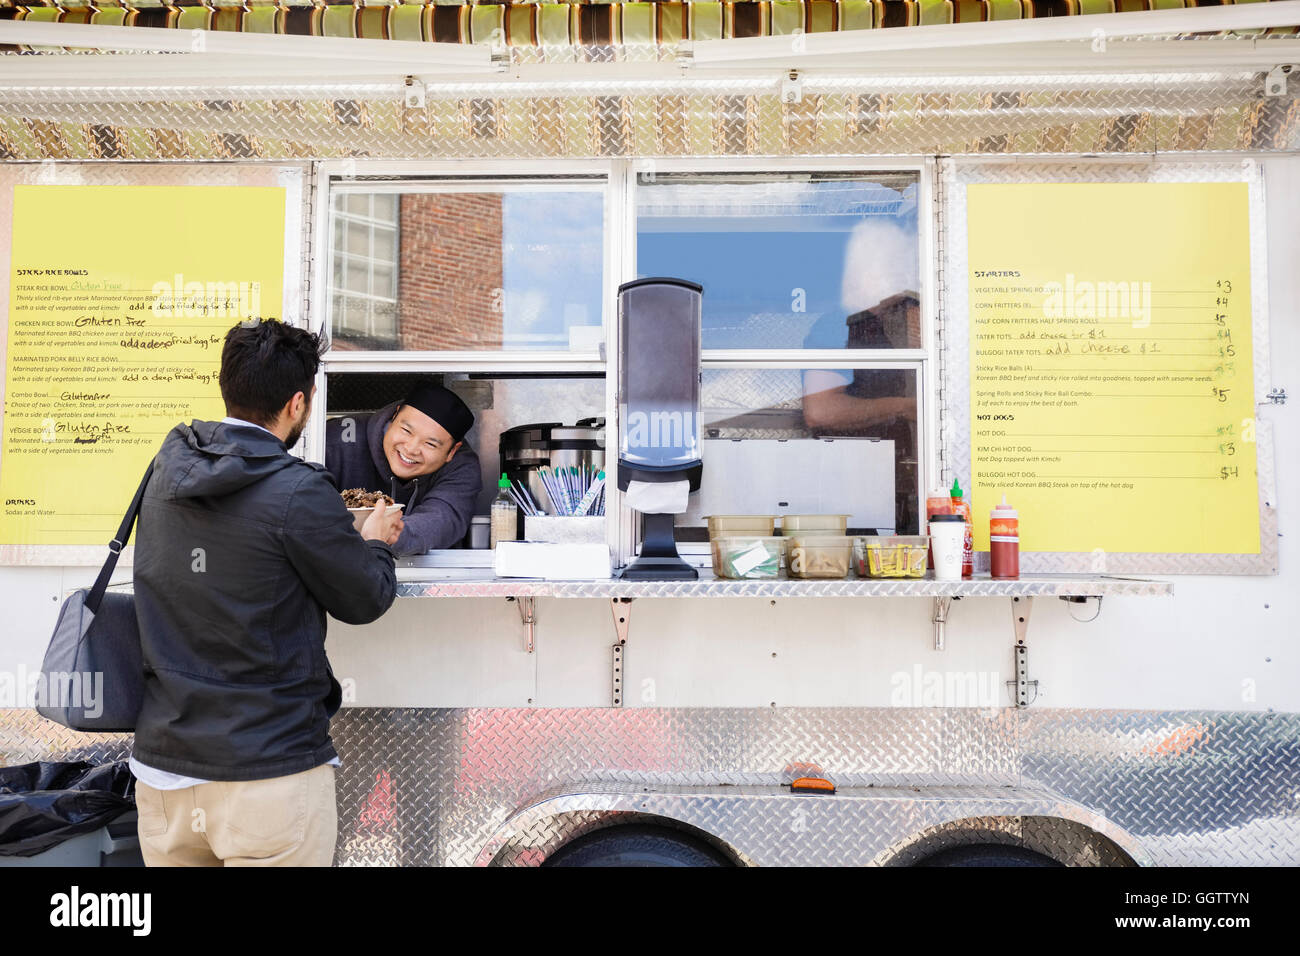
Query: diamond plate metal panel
x=26, y=736
x=508, y=786
x=852, y=827
x=1028, y=586
x=955, y=414
x=684, y=115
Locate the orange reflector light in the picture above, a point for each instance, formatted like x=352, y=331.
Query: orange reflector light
x=812, y=785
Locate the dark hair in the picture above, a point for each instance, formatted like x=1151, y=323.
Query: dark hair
x=264, y=363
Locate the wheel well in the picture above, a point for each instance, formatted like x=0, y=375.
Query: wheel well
x=563, y=829
x=1064, y=841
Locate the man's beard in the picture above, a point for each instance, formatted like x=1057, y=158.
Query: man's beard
x=298, y=428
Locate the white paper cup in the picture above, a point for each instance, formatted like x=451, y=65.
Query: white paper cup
x=948, y=541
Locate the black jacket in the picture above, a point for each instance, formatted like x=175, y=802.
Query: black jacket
x=438, y=506
x=240, y=550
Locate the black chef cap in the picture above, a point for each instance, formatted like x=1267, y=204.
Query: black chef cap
x=443, y=406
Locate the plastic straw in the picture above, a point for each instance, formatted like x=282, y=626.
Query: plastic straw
x=531, y=505
x=554, y=489
x=592, y=493
x=519, y=501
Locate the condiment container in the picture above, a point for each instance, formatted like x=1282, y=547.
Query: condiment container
x=961, y=506
x=946, y=535
x=819, y=555
x=720, y=526
x=1004, y=541
x=480, y=531
x=827, y=524
x=744, y=557
x=936, y=503
x=891, y=556
x=505, y=514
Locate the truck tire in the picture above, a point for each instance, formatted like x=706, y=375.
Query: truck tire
x=988, y=854
x=636, y=846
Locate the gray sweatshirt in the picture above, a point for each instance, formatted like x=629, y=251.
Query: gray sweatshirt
x=438, y=506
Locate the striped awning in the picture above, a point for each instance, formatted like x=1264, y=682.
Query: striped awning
x=573, y=23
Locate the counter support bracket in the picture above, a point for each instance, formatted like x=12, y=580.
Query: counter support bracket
x=527, y=617
x=1020, y=609
x=941, y=607
x=621, y=608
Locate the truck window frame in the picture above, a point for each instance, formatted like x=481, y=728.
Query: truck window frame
x=618, y=179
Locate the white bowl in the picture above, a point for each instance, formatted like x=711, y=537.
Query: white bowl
x=359, y=515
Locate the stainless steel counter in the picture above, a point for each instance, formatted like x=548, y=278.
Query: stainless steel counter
x=479, y=583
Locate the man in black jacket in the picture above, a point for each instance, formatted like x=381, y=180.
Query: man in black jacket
x=240, y=551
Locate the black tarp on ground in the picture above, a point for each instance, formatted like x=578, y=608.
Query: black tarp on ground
x=43, y=804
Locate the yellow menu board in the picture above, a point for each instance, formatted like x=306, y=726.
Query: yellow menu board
x=120, y=298
x=1112, y=382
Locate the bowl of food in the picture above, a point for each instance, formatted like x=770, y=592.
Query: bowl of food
x=361, y=504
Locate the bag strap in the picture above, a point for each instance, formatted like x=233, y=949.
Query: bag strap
x=96, y=595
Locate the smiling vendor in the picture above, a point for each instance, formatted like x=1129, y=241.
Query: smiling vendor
x=415, y=446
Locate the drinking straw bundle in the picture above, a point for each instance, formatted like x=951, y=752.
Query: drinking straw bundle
x=574, y=490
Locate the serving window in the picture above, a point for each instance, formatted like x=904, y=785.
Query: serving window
x=815, y=339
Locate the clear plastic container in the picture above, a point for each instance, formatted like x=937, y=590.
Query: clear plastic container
x=745, y=557
x=818, y=555
x=891, y=556
x=720, y=526
x=823, y=524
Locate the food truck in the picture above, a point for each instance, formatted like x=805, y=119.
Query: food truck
x=1044, y=249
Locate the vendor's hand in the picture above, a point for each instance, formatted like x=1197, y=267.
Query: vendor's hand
x=382, y=526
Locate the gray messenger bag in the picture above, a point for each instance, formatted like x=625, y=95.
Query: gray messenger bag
x=92, y=678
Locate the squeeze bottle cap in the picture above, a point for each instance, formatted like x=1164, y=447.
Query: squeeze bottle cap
x=956, y=489
x=504, y=482
x=1004, y=510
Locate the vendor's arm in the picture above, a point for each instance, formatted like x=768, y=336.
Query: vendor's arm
x=442, y=514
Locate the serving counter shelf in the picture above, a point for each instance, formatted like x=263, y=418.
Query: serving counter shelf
x=421, y=582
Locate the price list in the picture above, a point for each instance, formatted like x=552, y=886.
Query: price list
x=119, y=301
x=1112, y=385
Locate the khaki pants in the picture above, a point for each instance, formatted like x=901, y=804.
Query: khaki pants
x=280, y=821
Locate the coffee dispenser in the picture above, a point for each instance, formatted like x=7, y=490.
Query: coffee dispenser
x=659, y=414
